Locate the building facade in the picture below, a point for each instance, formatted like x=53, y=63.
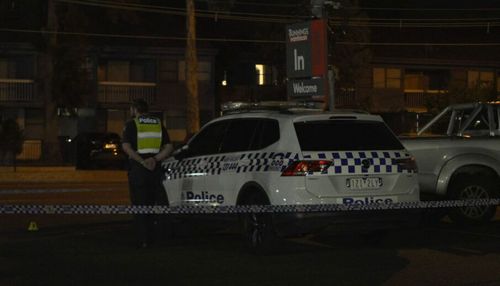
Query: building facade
x=116, y=75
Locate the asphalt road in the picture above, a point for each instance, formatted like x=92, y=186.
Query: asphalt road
x=99, y=250
x=61, y=193
x=103, y=254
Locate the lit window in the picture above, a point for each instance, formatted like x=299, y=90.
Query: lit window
x=386, y=78
x=260, y=74
x=393, y=78
x=479, y=78
x=118, y=71
x=378, y=78
x=266, y=75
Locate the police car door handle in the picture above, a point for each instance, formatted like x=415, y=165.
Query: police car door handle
x=244, y=163
x=202, y=164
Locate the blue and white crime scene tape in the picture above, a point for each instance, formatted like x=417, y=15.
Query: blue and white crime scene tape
x=322, y=208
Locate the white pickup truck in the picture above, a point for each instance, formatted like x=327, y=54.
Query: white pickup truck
x=458, y=157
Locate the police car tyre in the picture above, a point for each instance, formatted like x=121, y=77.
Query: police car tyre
x=472, y=187
x=258, y=228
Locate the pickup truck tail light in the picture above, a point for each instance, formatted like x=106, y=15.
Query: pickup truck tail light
x=303, y=168
x=408, y=164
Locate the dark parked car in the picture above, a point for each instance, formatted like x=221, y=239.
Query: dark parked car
x=98, y=150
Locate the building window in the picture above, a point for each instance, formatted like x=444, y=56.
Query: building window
x=415, y=81
x=16, y=68
x=127, y=71
x=203, y=73
x=34, y=123
x=386, y=78
x=498, y=83
x=429, y=80
x=266, y=75
x=168, y=71
x=4, y=68
x=118, y=71
x=479, y=78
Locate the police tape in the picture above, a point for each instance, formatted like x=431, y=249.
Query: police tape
x=240, y=209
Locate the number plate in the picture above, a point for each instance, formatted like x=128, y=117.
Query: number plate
x=363, y=183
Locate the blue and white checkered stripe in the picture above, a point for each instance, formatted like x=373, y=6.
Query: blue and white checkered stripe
x=264, y=162
x=241, y=163
x=381, y=162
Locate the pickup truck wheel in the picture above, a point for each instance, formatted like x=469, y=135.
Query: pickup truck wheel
x=472, y=188
x=258, y=228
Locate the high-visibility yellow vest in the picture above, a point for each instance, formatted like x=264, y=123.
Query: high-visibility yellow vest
x=148, y=134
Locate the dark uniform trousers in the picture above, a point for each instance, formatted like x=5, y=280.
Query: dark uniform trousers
x=146, y=189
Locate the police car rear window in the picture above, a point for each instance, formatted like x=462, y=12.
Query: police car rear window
x=345, y=135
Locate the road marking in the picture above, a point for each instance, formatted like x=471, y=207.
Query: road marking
x=308, y=240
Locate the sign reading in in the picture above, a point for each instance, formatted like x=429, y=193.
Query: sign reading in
x=306, y=58
x=298, y=50
x=306, y=49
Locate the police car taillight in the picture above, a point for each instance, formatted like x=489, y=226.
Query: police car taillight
x=303, y=168
x=408, y=164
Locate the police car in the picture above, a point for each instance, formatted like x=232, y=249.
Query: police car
x=290, y=155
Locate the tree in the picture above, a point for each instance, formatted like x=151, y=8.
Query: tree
x=459, y=94
x=70, y=79
x=349, y=60
x=12, y=141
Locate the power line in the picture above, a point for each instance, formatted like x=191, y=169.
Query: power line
x=423, y=19
x=244, y=3
x=181, y=12
x=152, y=37
x=121, y=4
x=420, y=9
x=274, y=18
x=417, y=25
x=143, y=37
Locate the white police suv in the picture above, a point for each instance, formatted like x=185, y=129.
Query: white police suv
x=290, y=156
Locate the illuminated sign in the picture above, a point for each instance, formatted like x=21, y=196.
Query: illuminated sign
x=306, y=45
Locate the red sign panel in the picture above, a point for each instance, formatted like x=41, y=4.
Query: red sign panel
x=319, y=56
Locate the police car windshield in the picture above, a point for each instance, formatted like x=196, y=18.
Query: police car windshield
x=345, y=135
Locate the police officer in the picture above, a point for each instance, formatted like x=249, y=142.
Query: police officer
x=146, y=142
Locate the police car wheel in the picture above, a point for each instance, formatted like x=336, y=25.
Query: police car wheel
x=472, y=188
x=258, y=228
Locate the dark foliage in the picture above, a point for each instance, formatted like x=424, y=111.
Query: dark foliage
x=11, y=140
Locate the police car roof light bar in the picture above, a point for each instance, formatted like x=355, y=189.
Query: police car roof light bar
x=282, y=106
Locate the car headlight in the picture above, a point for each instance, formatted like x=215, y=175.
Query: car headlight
x=110, y=146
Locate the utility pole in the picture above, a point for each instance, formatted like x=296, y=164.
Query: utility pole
x=193, y=109
x=46, y=68
x=318, y=11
